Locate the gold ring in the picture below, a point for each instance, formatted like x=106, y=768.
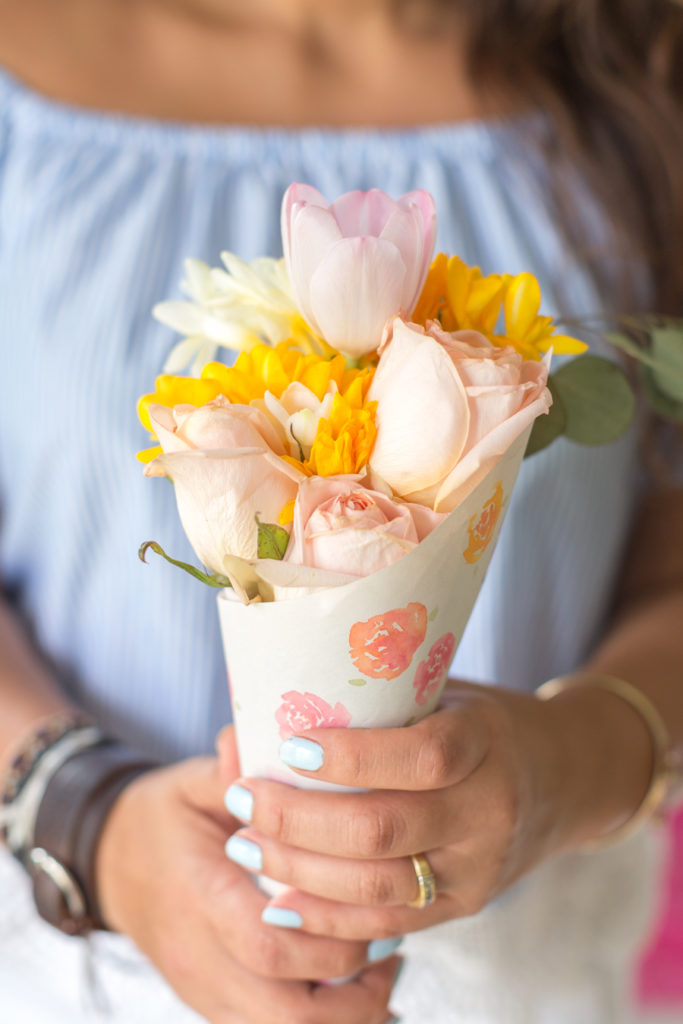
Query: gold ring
x=425, y=881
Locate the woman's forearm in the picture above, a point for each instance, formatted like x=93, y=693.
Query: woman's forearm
x=28, y=692
x=609, y=746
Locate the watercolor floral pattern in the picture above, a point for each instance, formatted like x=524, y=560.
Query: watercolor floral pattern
x=482, y=526
x=432, y=672
x=302, y=711
x=384, y=645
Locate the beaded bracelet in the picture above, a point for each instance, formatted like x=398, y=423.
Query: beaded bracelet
x=663, y=767
x=32, y=749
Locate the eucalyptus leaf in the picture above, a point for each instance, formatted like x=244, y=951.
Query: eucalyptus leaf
x=597, y=397
x=629, y=346
x=549, y=427
x=661, y=404
x=667, y=350
x=272, y=540
x=210, y=578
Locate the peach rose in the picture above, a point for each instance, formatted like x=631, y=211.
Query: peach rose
x=449, y=405
x=344, y=526
x=224, y=463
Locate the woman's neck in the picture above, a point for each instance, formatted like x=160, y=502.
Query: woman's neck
x=293, y=64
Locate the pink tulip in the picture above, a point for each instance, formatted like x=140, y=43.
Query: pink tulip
x=356, y=262
x=224, y=463
x=449, y=406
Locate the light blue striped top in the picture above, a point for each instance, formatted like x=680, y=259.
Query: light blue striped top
x=97, y=214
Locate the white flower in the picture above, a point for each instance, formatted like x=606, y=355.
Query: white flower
x=298, y=411
x=239, y=307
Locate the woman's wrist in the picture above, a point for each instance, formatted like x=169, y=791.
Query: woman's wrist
x=607, y=756
x=56, y=795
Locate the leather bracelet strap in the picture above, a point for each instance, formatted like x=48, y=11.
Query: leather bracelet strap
x=69, y=823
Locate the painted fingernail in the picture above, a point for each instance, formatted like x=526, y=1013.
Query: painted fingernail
x=240, y=802
x=244, y=852
x=282, y=917
x=301, y=753
x=380, y=949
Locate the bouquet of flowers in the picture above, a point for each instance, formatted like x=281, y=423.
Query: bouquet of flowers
x=343, y=483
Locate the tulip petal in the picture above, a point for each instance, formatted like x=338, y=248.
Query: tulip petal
x=314, y=232
x=363, y=213
x=354, y=291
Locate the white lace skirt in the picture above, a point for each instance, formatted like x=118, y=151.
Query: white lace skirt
x=559, y=948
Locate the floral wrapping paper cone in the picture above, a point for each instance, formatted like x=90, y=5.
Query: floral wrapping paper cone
x=373, y=653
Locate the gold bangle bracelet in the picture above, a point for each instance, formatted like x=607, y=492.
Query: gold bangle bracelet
x=660, y=778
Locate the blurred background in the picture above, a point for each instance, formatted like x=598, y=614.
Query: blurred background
x=659, y=985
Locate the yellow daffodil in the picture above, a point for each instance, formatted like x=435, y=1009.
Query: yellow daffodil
x=343, y=442
x=462, y=298
x=528, y=332
x=269, y=373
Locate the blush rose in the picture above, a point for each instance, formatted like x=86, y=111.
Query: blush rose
x=342, y=525
x=448, y=407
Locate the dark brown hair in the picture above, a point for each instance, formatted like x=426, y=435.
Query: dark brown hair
x=610, y=72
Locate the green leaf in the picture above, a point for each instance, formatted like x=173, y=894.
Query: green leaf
x=597, y=397
x=272, y=540
x=667, y=351
x=547, y=428
x=660, y=403
x=358, y=682
x=433, y=614
x=212, y=579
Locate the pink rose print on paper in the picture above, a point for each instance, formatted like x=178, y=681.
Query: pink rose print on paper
x=302, y=711
x=383, y=647
x=431, y=673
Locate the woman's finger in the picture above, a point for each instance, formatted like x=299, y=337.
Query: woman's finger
x=440, y=751
x=373, y=825
x=269, y=954
x=303, y=912
x=388, y=882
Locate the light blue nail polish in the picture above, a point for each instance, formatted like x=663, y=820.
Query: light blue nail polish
x=380, y=949
x=240, y=802
x=244, y=852
x=282, y=917
x=301, y=753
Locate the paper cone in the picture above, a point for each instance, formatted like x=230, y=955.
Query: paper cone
x=369, y=654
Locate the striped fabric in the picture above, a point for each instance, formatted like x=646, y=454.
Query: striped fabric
x=96, y=217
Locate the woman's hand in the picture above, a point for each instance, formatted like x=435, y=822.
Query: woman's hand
x=487, y=787
x=163, y=879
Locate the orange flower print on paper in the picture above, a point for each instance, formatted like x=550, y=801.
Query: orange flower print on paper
x=432, y=672
x=383, y=647
x=482, y=526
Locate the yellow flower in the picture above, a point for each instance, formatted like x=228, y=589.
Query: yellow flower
x=274, y=369
x=264, y=368
x=462, y=298
x=343, y=442
x=527, y=331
